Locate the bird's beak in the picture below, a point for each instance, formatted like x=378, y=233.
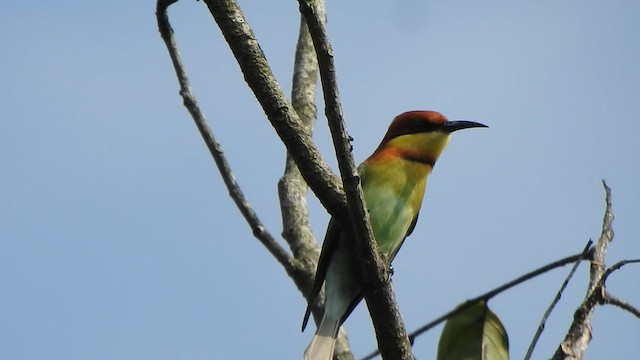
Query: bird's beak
x=452, y=126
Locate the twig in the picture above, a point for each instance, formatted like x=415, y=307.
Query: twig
x=488, y=295
x=579, y=334
x=615, y=301
x=390, y=331
x=617, y=266
x=259, y=230
x=555, y=301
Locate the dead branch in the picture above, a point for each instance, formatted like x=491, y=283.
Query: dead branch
x=577, y=339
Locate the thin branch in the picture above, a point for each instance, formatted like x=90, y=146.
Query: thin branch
x=578, y=336
x=555, y=301
x=190, y=103
x=374, y=273
x=284, y=119
x=489, y=294
x=615, y=301
x=617, y=266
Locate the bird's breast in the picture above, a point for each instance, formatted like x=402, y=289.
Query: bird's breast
x=393, y=192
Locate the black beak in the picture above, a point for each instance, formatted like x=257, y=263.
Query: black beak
x=452, y=126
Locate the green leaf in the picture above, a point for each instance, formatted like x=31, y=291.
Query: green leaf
x=474, y=334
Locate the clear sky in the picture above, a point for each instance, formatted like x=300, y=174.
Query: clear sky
x=119, y=241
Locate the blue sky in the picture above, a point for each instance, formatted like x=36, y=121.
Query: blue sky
x=118, y=239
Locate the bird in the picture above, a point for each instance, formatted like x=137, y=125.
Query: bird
x=393, y=182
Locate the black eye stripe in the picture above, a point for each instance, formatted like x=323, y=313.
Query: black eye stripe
x=414, y=126
x=419, y=125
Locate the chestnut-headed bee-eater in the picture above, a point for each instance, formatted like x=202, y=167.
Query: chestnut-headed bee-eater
x=393, y=178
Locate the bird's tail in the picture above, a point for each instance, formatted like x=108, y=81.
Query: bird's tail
x=324, y=340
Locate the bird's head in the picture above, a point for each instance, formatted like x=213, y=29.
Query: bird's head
x=420, y=136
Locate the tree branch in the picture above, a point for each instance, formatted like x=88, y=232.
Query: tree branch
x=577, y=339
x=292, y=188
x=278, y=109
x=373, y=270
x=585, y=311
x=190, y=103
x=598, y=262
x=287, y=124
x=615, y=301
x=301, y=268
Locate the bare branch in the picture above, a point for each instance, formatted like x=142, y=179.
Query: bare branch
x=555, y=301
x=302, y=268
x=615, y=301
x=577, y=339
x=374, y=273
x=282, y=116
x=276, y=106
x=488, y=295
x=598, y=262
x=586, y=310
x=259, y=230
x=617, y=266
x=292, y=188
